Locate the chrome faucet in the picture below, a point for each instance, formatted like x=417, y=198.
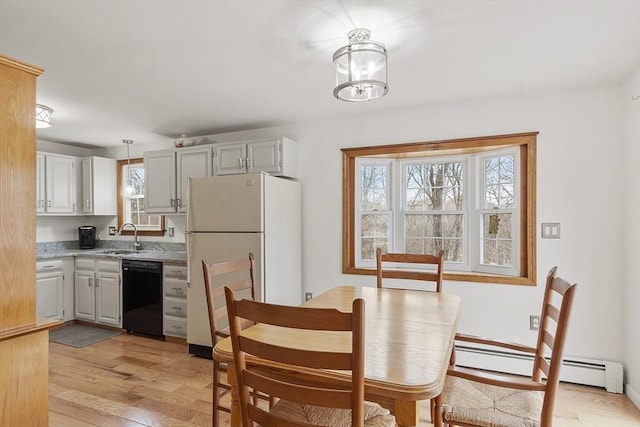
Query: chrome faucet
x=136, y=245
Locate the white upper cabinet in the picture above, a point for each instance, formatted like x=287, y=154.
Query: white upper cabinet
x=167, y=173
x=277, y=156
x=192, y=163
x=99, y=186
x=230, y=158
x=160, y=181
x=41, y=198
x=56, y=184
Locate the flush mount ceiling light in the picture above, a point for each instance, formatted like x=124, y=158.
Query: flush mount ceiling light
x=43, y=116
x=361, y=68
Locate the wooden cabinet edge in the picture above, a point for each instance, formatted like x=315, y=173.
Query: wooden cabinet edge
x=40, y=325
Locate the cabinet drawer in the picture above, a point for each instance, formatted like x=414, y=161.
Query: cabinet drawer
x=175, y=307
x=175, y=288
x=85, y=264
x=44, y=266
x=108, y=265
x=175, y=270
x=175, y=327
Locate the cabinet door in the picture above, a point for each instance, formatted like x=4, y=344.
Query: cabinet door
x=87, y=185
x=108, y=298
x=40, y=179
x=230, y=159
x=85, y=295
x=160, y=181
x=60, y=184
x=191, y=164
x=264, y=156
x=49, y=295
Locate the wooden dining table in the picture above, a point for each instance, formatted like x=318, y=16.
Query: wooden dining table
x=409, y=336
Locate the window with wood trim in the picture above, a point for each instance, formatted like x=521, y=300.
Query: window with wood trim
x=131, y=200
x=473, y=197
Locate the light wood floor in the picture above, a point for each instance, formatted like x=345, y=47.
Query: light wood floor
x=134, y=381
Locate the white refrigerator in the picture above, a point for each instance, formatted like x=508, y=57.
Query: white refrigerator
x=230, y=216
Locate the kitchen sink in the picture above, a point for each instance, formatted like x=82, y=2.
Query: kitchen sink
x=119, y=251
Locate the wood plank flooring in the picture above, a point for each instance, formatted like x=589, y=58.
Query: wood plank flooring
x=134, y=381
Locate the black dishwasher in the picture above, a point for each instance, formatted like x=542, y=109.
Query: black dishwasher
x=142, y=297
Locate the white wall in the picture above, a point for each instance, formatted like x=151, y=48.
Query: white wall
x=632, y=248
x=580, y=154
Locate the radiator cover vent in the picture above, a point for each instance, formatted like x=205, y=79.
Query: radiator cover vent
x=577, y=370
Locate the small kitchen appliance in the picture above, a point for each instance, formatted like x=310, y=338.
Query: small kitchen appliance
x=87, y=237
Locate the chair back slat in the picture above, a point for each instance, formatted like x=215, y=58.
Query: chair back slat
x=298, y=393
x=553, y=312
x=548, y=339
x=216, y=277
x=293, y=356
x=435, y=261
x=270, y=367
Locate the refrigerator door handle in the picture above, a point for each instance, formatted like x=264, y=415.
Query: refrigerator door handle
x=186, y=238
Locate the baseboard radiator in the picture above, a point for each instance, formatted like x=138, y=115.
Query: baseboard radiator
x=599, y=373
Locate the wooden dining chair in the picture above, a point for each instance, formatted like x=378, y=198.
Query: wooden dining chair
x=239, y=275
x=437, y=261
x=272, y=366
x=477, y=398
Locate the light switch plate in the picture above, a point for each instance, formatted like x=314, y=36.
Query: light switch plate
x=550, y=230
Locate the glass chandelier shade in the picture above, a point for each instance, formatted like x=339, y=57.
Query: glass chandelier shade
x=360, y=68
x=43, y=116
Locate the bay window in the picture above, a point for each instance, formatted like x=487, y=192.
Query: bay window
x=472, y=198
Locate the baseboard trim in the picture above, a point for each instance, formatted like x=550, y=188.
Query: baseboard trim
x=633, y=395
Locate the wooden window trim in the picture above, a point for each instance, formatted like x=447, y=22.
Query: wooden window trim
x=527, y=144
x=129, y=232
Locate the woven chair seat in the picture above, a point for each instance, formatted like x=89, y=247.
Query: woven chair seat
x=374, y=415
x=490, y=406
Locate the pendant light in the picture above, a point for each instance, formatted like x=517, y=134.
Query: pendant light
x=43, y=116
x=361, y=68
x=129, y=190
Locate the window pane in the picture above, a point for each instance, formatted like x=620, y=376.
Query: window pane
x=423, y=246
x=374, y=234
x=499, y=182
x=453, y=250
x=496, y=252
x=497, y=239
x=374, y=187
x=434, y=186
x=497, y=225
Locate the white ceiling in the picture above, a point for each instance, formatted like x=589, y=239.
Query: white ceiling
x=151, y=70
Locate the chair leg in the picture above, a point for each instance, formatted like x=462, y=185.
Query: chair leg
x=216, y=396
x=436, y=412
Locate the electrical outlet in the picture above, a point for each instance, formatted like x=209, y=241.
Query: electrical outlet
x=534, y=322
x=171, y=232
x=112, y=231
x=308, y=296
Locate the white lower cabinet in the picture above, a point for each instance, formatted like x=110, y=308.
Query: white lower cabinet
x=98, y=290
x=54, y=289
x=174, y=302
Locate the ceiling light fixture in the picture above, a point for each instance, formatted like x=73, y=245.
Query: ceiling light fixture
x=43, y=116
x=129, y=190
x=361, y=68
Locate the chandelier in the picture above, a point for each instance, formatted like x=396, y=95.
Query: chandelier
x=43, y=116
x=361, y=68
